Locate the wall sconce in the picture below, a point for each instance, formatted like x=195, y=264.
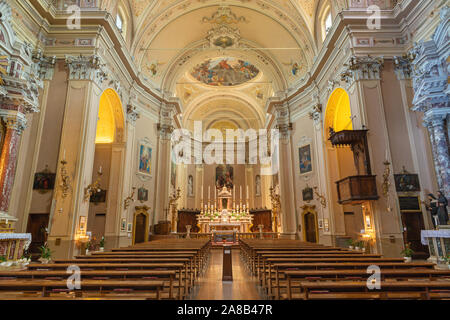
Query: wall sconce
x=93, y=188
x=128, y=200
x=322, y=199
x=385, y=186
x=65, y=180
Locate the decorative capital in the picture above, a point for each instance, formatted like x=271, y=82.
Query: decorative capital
x=282, y=119
x=86, y=68
x=316, y=115
x=132, y=114
x=362, y=68
x=402, y=67
x=14, y=120
x=43, y=66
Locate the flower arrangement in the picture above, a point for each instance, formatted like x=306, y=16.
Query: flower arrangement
x=46, y=253
x=407, y=252
x=102, y=243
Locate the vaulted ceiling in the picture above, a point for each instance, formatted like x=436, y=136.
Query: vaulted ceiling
x=222, y=41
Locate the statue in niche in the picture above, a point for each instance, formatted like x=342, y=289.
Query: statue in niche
x=190, y=186
x=258, y=185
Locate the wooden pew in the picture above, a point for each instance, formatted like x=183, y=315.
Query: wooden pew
x=167, y=276
x=151, y=288
x=389, y=290
x=295, y=277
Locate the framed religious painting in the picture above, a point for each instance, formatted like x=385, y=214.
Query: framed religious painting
x=406, y=182
x=82, y=225
x=129, y=227
x=123, y=225
x=145, y=153
x=142, y=194
x=307, y=194
x=44, y=180
x=305, y=162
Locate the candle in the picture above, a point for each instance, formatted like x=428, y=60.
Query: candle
x=234, y=193
x=202, y=193
x=64, y=156
x=209, y=192
x=240, y=193
x=100, y=169
x=248, y=195
x=386, y=157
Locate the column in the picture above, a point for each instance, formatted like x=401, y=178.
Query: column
x=288, y=212
x=165, y=128
x=438, y=137
x=85, y=78
x=15, y=124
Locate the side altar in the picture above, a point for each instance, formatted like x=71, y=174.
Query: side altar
x=224, y=214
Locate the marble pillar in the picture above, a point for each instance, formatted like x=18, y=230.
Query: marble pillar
x=15, y=124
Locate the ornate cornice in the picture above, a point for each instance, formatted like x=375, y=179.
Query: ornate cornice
x=86, y=68
x=362, y=68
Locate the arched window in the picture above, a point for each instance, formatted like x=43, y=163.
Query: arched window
x=328, y=23
x=119, y=22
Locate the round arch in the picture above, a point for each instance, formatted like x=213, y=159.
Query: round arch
x=338, y=113
x=110, y=123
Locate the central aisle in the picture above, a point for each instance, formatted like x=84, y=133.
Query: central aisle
x=211, y=287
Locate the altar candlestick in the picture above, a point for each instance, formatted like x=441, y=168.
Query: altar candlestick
x=247, y=193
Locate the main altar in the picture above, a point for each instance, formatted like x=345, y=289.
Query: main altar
x=224, y=216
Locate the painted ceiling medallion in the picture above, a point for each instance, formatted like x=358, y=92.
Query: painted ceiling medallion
x=224, y=72
x=223, y=15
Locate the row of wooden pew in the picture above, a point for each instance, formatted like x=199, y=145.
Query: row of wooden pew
x=162, y=269
x=291, y=269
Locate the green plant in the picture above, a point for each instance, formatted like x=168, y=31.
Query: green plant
x=350, y=242
x=2, y=258
x=407, y=252
x=360, y=244
x=46, y=253
x=102, y=242
x=88, y=245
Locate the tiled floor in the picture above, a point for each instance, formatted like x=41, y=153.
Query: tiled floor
x=211, y=287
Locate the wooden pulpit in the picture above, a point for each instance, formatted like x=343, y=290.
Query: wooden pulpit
x=227, y=272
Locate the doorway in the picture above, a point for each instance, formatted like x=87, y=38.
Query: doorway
x=310, y=229
x=412, y=226
x=37, y=224
x=141, y=224
x=98, y=231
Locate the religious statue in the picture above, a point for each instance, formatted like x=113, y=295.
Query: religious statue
x=442, y=212
x=432, y=207
x=190, y=186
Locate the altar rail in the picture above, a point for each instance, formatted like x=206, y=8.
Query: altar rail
x=247, y=235
x=193, y=235
x=259, y=235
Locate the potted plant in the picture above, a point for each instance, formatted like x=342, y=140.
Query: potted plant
x=102, y=244
x=350, y=243
x=88, y=247
x=407, y=253
x=447, y=261
x=46, y=254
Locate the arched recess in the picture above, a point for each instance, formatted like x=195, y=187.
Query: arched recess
x=105, y=205
x=348, y=219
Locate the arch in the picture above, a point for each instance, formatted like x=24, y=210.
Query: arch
x=110, y=121
x=338, y=112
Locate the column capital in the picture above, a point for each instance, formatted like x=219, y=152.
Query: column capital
x=165, y=125
x=43, y=66
x=402, y=67
x=86, y=68
x=132, y=114
x=282, y=118
x=316, y=115
x=14, y=120
x=362, y=68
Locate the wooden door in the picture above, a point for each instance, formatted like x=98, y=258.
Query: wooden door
x=350, y=225
x=310, y=227
x=263, y=217
x=98, y=230
x=140, y=228
x=412, y=226
x=37, y=223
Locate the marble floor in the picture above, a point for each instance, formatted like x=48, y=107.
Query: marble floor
x=211, y=287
